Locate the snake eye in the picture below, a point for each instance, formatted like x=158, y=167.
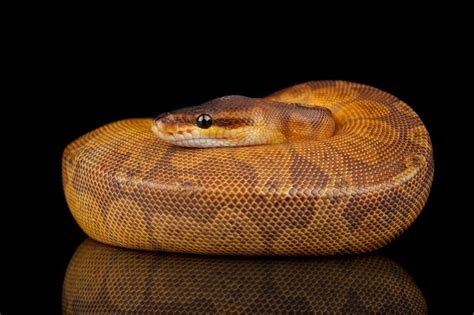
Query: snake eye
x=204, y=121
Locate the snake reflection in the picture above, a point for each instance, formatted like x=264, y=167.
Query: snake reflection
x=104, y=279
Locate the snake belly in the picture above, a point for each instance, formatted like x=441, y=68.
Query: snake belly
x=351, y=193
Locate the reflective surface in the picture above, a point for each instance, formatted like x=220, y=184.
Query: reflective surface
x=101, y=279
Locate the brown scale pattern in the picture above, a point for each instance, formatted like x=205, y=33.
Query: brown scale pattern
x=351, y=193
x=102, y=279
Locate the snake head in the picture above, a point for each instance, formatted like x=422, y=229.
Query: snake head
x=226, y=121
x=240, y=121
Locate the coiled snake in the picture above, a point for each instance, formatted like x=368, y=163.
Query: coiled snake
x=320, y=168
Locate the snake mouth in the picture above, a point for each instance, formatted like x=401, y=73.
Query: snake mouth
x=204, y=143
x=182, y=137
x=192, y=138
x=174, y=136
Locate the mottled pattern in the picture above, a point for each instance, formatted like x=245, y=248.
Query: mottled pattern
x=103, y=279
x=351, y=193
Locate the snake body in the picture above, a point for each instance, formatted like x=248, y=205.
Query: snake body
x=307, y=188
x=101, y=279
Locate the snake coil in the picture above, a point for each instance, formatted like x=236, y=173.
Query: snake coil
x=353, y=192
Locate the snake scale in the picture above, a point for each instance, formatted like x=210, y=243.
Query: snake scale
x=320, y=168
x=101, y=279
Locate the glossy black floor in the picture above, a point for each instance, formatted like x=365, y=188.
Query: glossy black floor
x=89, y=82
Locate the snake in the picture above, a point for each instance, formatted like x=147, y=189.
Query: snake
x=102, y=279
x=319, y=168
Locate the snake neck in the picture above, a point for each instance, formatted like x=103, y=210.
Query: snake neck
x=294, y=122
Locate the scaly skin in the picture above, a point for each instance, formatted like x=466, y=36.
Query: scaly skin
x=101, y=279
x=353, y=192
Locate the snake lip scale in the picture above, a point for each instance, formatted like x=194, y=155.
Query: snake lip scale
x=319, y=168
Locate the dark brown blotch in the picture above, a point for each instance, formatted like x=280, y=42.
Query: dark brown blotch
x=233, y=122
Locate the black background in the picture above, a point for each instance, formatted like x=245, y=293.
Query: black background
x=78, y=80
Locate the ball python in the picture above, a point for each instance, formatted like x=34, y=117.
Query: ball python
x=320, y=168
x=102, y=279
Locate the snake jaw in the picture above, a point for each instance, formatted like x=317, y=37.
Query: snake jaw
x=185, y=135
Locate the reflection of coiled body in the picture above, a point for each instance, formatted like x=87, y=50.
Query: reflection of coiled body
x=353, y=192
x=106, y=279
